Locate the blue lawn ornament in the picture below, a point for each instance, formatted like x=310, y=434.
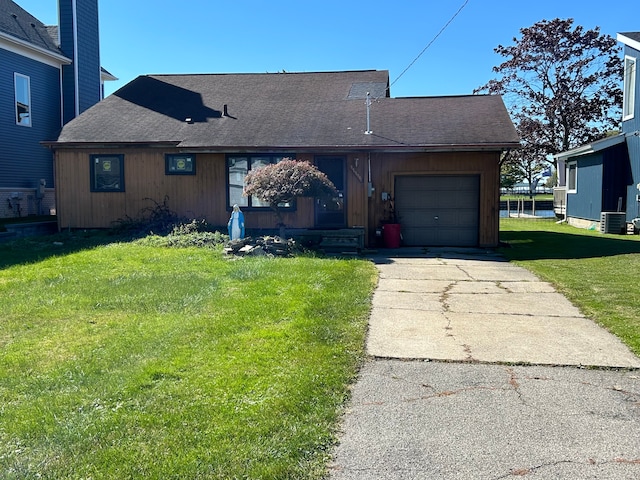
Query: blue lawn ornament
x=236, y=224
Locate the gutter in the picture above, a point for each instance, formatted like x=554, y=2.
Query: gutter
x=54, y=144
x=57, y=57
x=485, y=147
x=592, y=147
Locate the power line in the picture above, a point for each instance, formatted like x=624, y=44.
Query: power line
x=430, y=43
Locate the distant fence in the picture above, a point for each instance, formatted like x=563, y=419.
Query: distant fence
x=526, y=206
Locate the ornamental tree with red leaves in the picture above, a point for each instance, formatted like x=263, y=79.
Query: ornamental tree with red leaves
x=281, y=183
x=561, y=84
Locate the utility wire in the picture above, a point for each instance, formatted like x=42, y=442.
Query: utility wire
x=430, y=43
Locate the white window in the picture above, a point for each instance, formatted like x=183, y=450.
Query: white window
x=572, y=177
x=23, y=99
x=629, y=100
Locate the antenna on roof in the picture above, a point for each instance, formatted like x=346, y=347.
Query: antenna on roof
x=368, y=104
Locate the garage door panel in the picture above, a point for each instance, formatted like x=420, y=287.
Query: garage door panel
x=438, y=210
x=433, y=217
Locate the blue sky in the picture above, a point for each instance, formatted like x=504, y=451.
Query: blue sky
x=235, y=36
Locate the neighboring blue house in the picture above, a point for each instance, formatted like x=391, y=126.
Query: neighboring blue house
x=48, y=76
x=601, y=185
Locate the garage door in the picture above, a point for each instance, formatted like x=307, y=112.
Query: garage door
x=438, y=210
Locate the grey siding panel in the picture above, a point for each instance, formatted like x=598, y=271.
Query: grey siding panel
x=439, y=210
x=23, y=161
x=587, y=201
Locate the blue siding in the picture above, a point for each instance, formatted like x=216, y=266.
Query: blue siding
x=88, y=55
x=633, y=124
x=633, y=207
x=633, y=144
x=587, y=201
x=23, y=161
x=65, y=31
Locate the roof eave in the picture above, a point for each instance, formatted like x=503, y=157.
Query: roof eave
x=19, y=44
x=496, y=147
x=592, y=147
x=107, y=77
x=54, y=144
x=621, y=37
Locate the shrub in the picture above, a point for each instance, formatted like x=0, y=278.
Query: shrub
x=282, y=182
x=195, y=233
x=156, y=219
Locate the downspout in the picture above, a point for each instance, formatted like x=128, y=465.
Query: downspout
x=61, y=98
x=369, y=195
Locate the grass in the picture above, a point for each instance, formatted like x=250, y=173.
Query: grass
x=122, y=360
x=598, y=273
x=27, y=219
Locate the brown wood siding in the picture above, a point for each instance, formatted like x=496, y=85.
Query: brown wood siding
x=356, y=175
x=384, y=168
x=195, y=196
x=204, y=195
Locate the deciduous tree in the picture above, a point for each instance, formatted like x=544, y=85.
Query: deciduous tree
x=562, y=86
x=281, y=183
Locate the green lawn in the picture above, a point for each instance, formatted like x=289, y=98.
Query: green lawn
x=598, y=273
x=124, y=360
x=130, y=361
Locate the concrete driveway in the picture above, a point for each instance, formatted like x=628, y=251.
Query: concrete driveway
x=477, y=371
x=473, y=306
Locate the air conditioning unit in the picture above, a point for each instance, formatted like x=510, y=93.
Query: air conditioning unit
x=613, y=222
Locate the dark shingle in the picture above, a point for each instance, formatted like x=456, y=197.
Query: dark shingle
x=632, y=35
x=361, y=89
x=288, y=110
x=18, y=23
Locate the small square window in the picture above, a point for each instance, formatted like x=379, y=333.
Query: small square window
x=180, y=164
x=107, y=173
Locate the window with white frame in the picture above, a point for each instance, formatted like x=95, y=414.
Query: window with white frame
x=22, y=85
x=572, y=177
x=629, y=99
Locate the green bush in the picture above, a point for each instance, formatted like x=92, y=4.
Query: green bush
x=195, y=233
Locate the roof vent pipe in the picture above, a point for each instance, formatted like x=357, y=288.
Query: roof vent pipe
x=225, y=111
x=368, y=104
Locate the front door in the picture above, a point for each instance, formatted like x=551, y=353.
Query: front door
x=330, y=211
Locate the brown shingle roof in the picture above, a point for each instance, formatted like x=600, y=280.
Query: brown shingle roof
x=289, y=110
